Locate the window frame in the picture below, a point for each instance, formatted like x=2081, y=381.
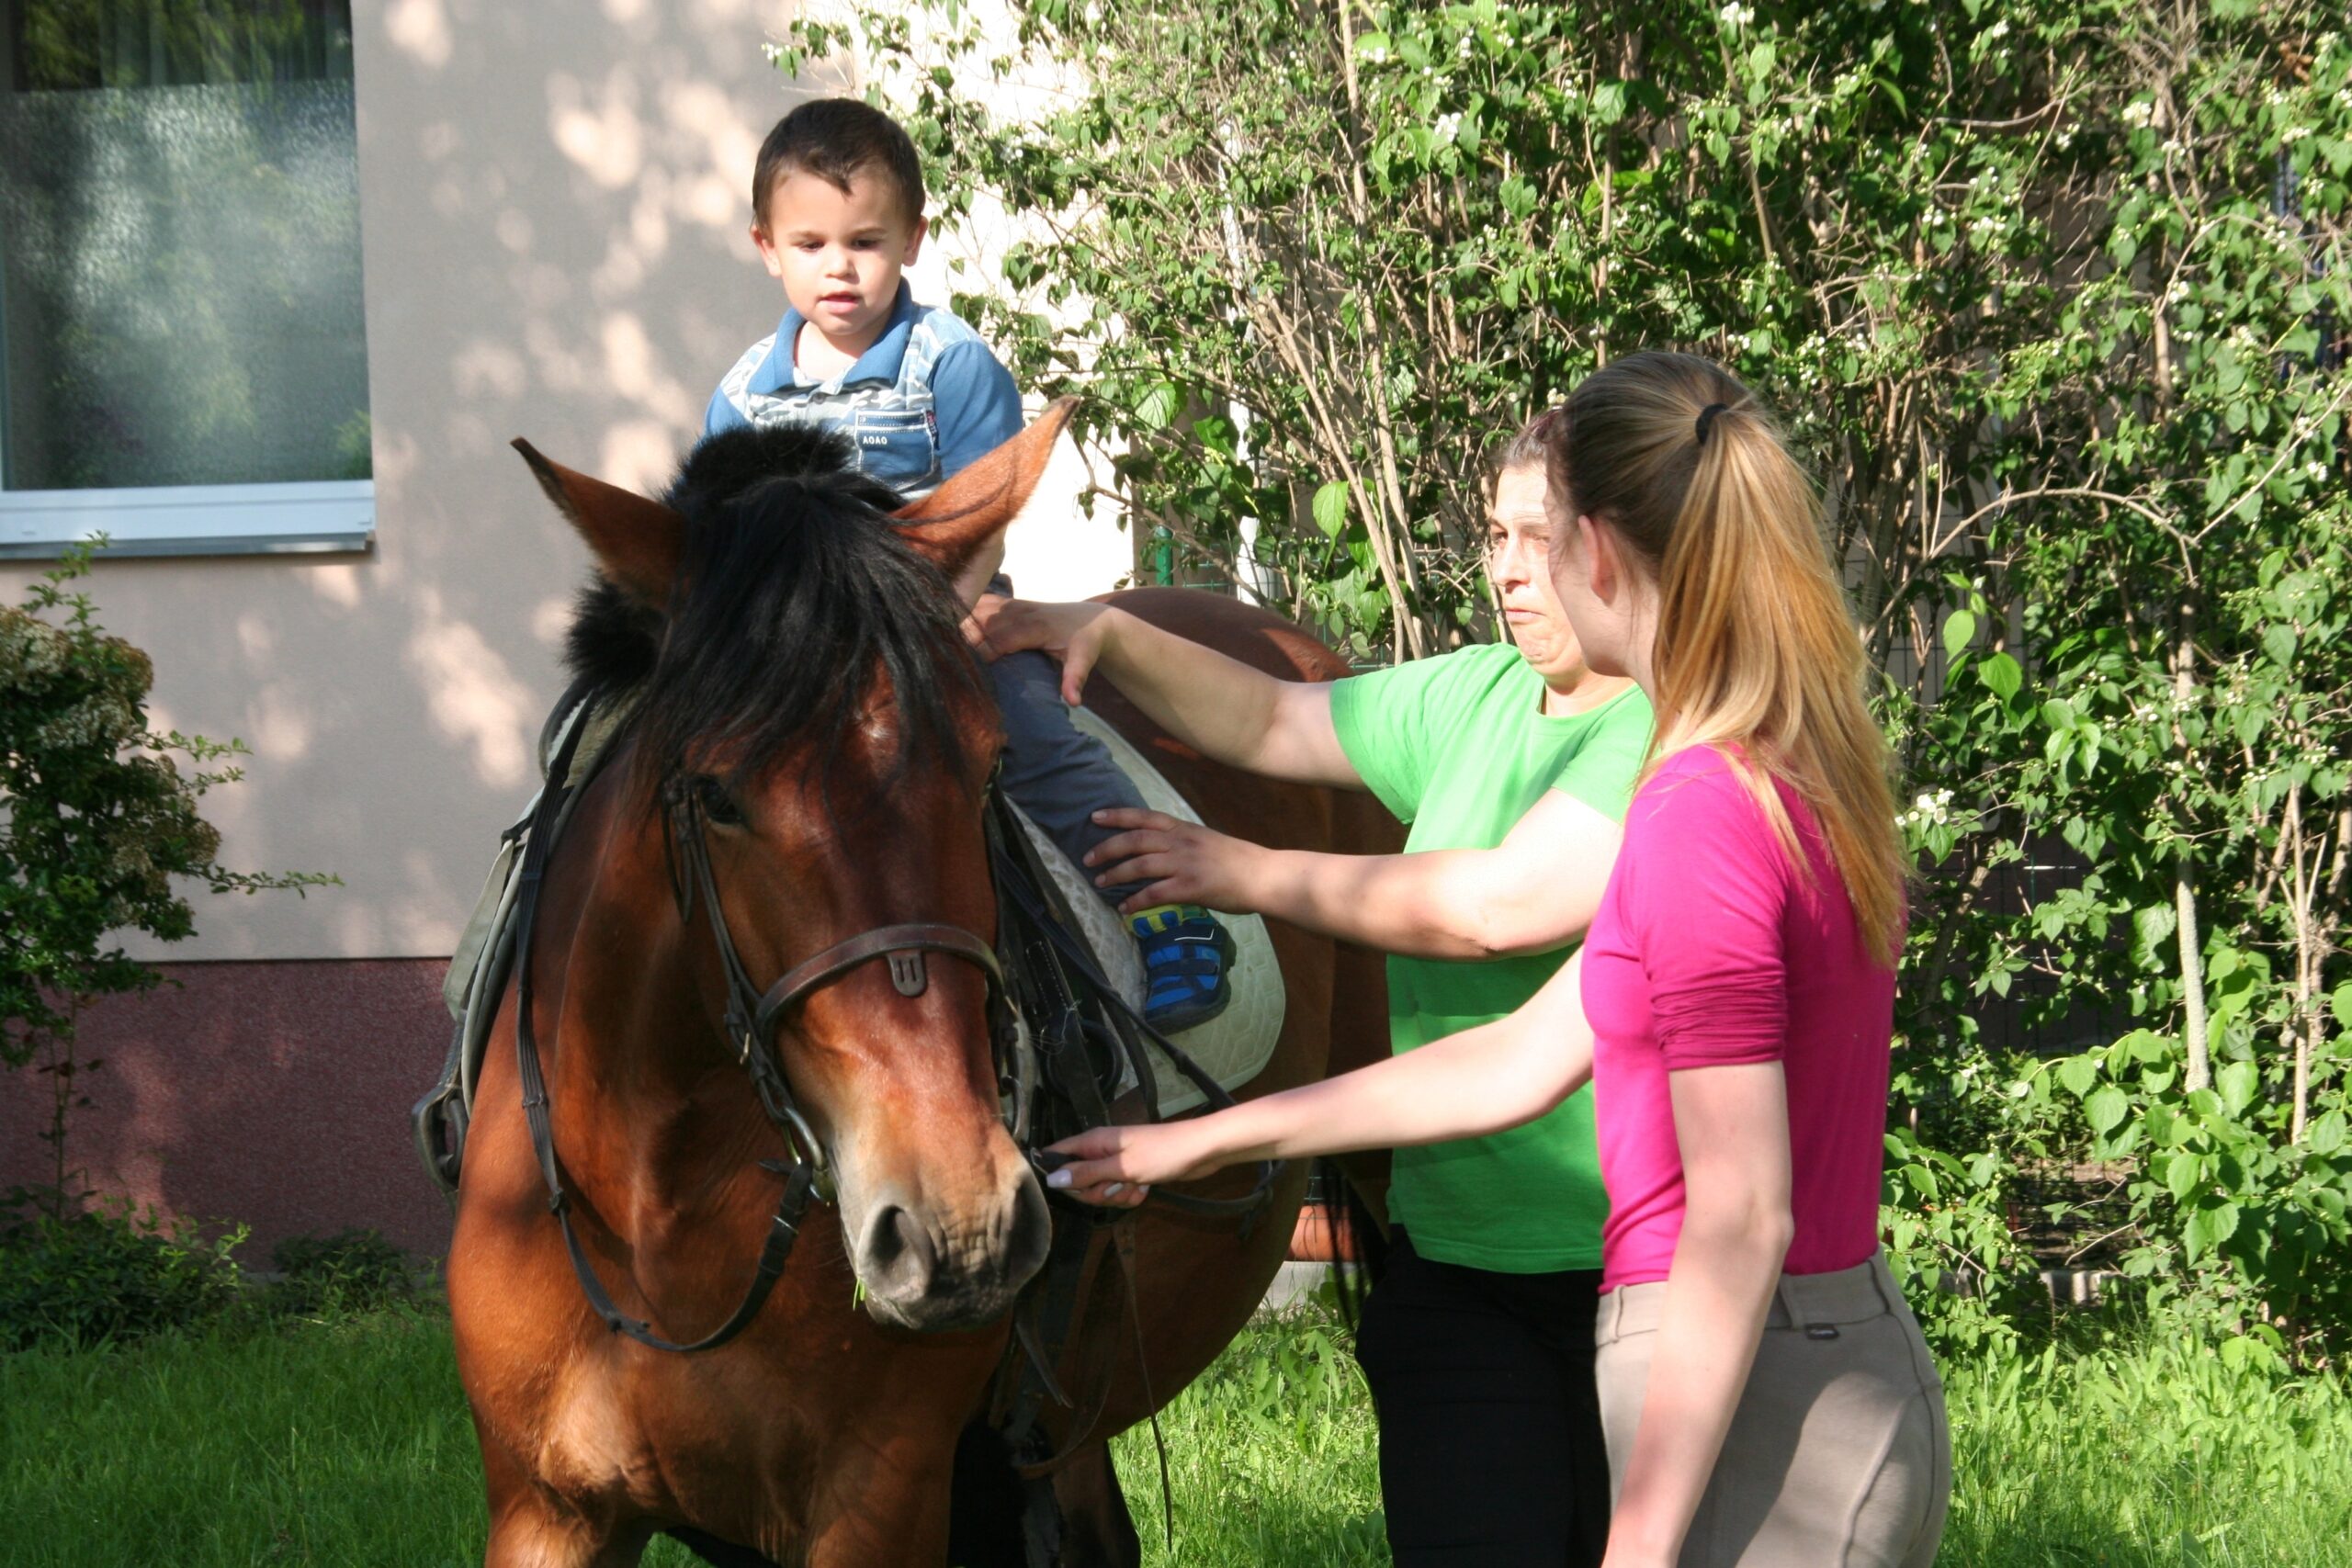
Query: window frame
x=264, y=517
x=308, y=516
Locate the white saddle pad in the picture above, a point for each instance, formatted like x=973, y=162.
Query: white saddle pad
x=1232, y=1047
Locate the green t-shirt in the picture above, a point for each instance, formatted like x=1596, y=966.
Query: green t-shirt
x=1459, y=747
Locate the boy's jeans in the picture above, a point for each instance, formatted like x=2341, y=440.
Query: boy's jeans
x=1057, y=773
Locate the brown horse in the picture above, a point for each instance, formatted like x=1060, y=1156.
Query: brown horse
x=806, y=685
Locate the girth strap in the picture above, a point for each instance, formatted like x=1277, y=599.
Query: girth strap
x=1074, y=954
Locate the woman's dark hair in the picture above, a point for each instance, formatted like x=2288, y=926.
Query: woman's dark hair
x=1529, y=447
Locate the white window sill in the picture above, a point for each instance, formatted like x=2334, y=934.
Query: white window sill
x=191, y=520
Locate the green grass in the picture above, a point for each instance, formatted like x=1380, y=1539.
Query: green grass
x=348, y=1444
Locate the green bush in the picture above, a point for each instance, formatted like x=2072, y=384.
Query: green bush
x=2055, y=295
x=100, y=836
x=354, y=1270
x=111, y=1274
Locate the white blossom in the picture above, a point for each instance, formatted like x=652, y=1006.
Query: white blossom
x=1448, y=127
x=1736, y=15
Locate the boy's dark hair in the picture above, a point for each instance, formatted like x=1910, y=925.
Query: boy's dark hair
x=835, y=139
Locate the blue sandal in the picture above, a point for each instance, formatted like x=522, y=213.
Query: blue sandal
x=1186, y=951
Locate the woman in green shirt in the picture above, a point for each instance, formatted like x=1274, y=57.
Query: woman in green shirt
x=1513, y=766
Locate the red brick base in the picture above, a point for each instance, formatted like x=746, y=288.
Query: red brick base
x=272, y=1093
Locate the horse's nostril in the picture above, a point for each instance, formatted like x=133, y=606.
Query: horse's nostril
x=1031, y=1233
x=895, y=1258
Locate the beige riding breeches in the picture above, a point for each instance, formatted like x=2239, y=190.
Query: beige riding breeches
x=1838, y=1456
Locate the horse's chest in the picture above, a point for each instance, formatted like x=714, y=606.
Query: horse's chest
x=592, y=1444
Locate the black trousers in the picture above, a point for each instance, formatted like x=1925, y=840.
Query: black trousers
x=1491, y=1452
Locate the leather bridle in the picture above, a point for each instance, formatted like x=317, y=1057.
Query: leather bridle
x=753, y=1015
x=751, y=1019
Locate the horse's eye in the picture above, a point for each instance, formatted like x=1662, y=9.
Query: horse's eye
x=717, y=805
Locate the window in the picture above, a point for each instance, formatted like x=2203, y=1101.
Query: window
x=183, y=362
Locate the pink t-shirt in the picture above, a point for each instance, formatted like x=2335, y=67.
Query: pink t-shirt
x=1710, y=950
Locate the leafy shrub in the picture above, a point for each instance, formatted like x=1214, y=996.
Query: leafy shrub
x=97, y=818
x=2052, y=294
x=355, y=1269
x=111, y=1273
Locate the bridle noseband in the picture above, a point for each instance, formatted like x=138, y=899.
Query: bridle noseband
x=753, y=1014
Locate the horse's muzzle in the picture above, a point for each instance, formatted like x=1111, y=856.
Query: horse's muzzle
x=926, y=1269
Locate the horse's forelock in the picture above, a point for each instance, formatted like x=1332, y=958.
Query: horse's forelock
x=794, y=597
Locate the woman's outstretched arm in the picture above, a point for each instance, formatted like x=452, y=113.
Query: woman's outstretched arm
x=1479, y=1081
x=1219, y=706
x=1535, y=892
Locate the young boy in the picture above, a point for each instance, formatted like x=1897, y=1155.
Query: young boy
x=837, y=211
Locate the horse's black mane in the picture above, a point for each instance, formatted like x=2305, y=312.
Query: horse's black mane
x=793, y=589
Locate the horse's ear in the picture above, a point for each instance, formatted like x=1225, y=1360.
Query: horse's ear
x=636, y=542
x=954, y=523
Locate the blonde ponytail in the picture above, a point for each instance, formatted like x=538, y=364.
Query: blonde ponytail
x=1755, y=646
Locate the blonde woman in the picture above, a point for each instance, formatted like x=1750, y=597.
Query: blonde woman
x=1768, y=1399
x=1514, y=764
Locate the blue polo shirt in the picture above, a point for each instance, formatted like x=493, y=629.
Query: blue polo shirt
x=926, y=399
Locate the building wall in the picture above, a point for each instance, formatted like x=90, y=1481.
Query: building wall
x=274, y=1095
x=553, y=209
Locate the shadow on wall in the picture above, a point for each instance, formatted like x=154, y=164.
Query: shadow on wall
x=272, y=1094
x=555, y=218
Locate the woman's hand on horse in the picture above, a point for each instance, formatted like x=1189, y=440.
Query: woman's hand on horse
x=1116, y=1166
x=1075, y=634
x=1181, y=862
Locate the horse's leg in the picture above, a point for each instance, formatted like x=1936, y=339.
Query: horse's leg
x=1097, y=1529
x=984, y=1508
x=529, y=1528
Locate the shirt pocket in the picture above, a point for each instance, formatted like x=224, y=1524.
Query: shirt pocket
x=897, y=446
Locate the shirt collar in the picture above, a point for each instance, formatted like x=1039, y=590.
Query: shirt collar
x=880, y=362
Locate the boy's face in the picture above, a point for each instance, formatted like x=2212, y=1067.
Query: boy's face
x=839, y=252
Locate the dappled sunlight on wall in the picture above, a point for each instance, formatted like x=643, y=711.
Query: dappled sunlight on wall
x=419, y=30
x=553, y=207
x=472, y=696
x=597, y=127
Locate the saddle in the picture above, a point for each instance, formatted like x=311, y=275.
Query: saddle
x=1075, y=1053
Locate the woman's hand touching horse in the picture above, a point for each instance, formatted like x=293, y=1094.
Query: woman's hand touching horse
x=1116, y=1166
x=1075, y=634
x=1464, y=1086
